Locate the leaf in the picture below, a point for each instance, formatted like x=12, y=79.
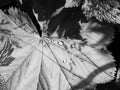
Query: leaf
x=79, y=67
x=52, y=63
x=103, y=10
x=15, y=46
x=72, y=3
x=96, y=34
x=22, y=20
x=5, y=52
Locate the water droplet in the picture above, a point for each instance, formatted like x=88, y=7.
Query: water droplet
x=64, y=61
x=73, y=45
x=60, y=43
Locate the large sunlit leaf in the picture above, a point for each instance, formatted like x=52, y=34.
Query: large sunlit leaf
x=48, y=63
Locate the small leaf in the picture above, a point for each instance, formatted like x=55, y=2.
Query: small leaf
x=107, y=10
